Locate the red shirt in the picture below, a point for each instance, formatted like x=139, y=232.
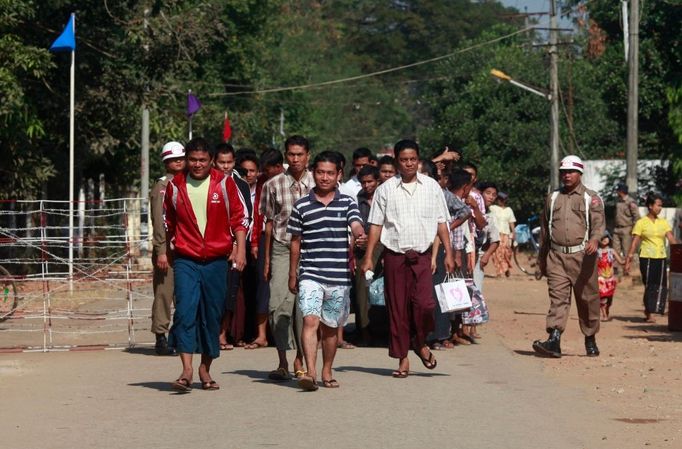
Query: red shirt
x=224, y=217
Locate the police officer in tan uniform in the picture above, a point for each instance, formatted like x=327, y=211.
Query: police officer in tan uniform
x=572, y=224
x=173, y=156
x=626, y=216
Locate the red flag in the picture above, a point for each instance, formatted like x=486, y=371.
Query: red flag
x=227, y=130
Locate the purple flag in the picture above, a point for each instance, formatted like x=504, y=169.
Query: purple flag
x=193, y=104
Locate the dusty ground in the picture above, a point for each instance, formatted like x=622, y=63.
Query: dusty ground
x=638, y=376
x=630, y=397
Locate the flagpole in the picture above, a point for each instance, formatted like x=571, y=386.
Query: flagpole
x=189, y=92
x=71, y=155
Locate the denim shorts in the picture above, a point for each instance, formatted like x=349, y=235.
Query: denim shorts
x=331, y=303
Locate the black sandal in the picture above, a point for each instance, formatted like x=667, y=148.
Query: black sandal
x=429, y=363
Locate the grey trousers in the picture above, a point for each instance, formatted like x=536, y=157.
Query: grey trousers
x=282, y=305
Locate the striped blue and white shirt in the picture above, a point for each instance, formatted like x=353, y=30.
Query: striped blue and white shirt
x=324, y=237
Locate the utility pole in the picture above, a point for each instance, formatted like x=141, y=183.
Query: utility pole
x=554, y=96
x=144, y=157
x=633, y=98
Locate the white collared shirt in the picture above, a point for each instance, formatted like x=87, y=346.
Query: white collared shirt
x=351, y=188
x=410, y=220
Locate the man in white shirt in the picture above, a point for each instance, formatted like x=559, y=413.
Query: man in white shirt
x=407, y=212
x=361, y=157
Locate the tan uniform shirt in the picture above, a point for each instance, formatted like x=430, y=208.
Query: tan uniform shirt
x=156, y=204
x=569, y=218
x=627, y=213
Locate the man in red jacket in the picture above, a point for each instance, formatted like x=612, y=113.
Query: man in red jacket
x=203, y=217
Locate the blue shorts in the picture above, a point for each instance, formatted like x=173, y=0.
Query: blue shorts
x=330, y=303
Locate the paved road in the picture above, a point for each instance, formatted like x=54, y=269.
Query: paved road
x=479, y=397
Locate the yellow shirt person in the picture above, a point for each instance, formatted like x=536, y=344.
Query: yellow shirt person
x=653, y=235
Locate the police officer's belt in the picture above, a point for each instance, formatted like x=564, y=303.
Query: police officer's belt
x=567, y=249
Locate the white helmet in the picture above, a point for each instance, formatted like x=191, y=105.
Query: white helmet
x=571, y=163
x=172, y=150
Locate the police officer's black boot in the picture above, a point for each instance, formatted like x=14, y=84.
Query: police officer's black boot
x=551, y=347
x=161, y=345
x=591, y=346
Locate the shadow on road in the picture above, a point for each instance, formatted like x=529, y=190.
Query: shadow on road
x=629, y=319
x=142, y=351
x=159, y=386
x=521, y=312
x=262, y=377
x=535, y=354
x=383, y=371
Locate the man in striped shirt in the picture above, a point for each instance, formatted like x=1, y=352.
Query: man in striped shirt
x=319, y=270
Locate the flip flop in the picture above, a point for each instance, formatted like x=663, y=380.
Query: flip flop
x=226, y=347
x=400, y=374
x=279, y=375
x=307, y=383
x=447, y=344
x=345, y=345
x=255, y=345
x=429, y=363
x=182, y=385
x=331, y=383
x=300, y=373
x=210, y=385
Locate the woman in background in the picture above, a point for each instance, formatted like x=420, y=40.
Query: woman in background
x=652, y=231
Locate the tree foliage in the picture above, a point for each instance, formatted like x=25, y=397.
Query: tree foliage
x=147, y=53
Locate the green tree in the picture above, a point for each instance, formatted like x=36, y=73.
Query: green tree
x=25, y=167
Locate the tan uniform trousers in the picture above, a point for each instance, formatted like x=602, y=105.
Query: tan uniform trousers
x=622, y=239
x=577, y=272
x=282, y=301
x=164, y=298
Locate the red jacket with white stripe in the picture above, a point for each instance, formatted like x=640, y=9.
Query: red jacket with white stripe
x=225, y=215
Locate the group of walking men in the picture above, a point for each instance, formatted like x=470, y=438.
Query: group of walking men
x=305, y=230
x=299, y=226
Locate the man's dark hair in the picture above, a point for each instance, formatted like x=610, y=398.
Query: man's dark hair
x=369, y=170
x=341, y=157
x=472, y=166
x=458, y=178
x=361, y=152
x=327, y=156
x=403, y=145
x=271, y=157
x=373, y=158
x=198, y=144
x=651, y=199
x=387, y=160
x=486, y=185
x=429, y=169
x=297, y=140
x=223, y=148
x=244, y=151
x=247, y=156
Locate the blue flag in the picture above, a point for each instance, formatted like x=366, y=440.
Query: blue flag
x=67, y=40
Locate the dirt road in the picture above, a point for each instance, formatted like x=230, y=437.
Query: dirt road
x=492, y=395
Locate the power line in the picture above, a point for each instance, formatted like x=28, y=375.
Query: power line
x=372, y=74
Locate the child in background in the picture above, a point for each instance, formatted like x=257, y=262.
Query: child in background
x=607, y=279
